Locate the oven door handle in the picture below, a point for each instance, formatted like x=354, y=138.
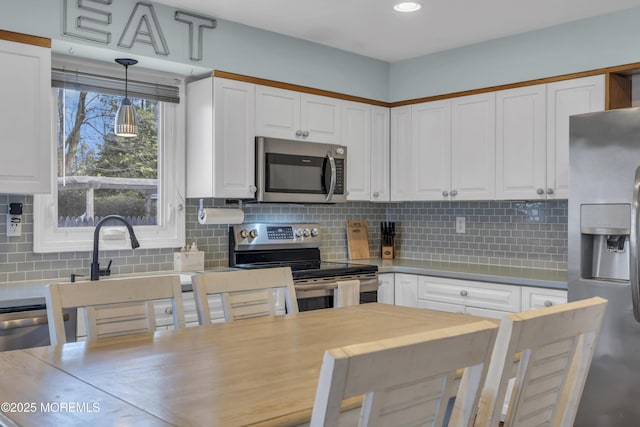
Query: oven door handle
x=333, y=285
x=26, y=322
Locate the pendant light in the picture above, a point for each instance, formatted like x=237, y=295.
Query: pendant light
x=126, y=116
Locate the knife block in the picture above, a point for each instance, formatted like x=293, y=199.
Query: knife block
x=387, y=252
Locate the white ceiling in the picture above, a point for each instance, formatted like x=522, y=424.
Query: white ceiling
x=372, y=28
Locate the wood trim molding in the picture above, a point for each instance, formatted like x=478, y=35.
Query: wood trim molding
x=297, y=88
x=617, y=81
x=25, y=38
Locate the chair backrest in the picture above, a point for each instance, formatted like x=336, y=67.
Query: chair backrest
x=346, y=293
x=245, y=293
x=113, y=307
x=407, y=380
x=555, y=346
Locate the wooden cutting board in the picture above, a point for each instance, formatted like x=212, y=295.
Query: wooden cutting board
x=357, y=239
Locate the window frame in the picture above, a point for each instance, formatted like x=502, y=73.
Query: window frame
x=169, y=233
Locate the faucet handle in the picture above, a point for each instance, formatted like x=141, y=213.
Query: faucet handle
x=106, y=271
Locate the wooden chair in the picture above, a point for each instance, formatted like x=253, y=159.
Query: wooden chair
x=346, y=293
x=407, y=380
x=113, y=307
x=245, y=293
x=555, y=347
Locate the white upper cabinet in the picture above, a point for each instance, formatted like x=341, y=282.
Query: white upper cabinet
x=282, y=113
x=521, y=135
x=473, y=167
x=380, y=153
x=356, y=135
x=566, y=98
x=431, y=147
x=220, y=139
x=25, y=119
x=401, y=154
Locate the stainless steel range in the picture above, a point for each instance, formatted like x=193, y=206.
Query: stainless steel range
x=298, y=246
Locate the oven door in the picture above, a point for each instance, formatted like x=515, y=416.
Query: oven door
x=316, y=294
x=299, y=172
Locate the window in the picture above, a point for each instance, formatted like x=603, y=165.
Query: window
x=98, y=173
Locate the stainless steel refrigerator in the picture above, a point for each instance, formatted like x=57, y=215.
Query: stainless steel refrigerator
x=604, y=182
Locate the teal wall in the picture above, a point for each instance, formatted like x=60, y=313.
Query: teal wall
x=579, y=46
x=229, y=47
x=584, y=45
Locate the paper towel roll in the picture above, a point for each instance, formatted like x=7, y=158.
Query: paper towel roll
x=221, y=216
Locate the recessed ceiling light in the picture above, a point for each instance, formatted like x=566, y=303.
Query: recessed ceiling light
x=407, y=6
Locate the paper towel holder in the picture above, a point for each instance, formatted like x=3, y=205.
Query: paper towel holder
x=201, y=209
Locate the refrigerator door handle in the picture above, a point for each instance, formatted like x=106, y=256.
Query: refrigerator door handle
x=633, y=246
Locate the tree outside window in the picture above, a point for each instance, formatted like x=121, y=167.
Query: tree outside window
x=100, y=173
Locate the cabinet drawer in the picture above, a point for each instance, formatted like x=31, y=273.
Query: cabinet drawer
x=441, y=306
x=492, y=296
x=540, y=297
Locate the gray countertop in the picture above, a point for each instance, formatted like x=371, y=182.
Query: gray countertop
x=555, y=279
x=34, y=291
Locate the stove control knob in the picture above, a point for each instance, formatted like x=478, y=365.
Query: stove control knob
x=244, y=233
x=306, y=232
x=253, y=233
x=314, y=232
x=298, y=232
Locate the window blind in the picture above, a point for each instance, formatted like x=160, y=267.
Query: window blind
x=78, y=80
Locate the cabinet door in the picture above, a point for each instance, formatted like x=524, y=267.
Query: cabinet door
x=234, y=139
x=401, y=154
x=431, y=150
x=566, y=98
x=541, y=297
x=473, y=168
x=277, y=112
x=386, y=288
x=25, y=119
x=521, y=159
x=320, y=118
x=380, y=154
x=406, y=290
x=356, y=135
x=220, y=139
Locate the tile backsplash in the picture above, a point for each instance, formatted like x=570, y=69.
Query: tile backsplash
x=520, y=234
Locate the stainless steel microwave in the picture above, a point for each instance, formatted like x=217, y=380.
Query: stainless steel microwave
x=300, y=172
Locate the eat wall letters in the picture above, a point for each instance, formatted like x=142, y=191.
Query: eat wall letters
x=91, y=20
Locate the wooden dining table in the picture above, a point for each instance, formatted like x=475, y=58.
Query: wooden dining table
x=257, y=372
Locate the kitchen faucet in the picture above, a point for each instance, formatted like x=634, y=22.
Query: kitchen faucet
x=95, y=266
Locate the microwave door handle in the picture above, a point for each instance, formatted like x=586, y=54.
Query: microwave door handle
x=332, y=186
x=634, y=275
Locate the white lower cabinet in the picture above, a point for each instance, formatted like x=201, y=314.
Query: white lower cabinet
x=406, y=290
x=386, y=288
x=541, y=297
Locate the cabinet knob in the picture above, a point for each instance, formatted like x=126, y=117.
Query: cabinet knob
x=454, y=193
x=298, y=132
x=376, y=194
x=549, y=190
x=540, y=191
x=445, y=193
x=463, y=293
x=168, y=310
x=253, y=188
x=548, y=303
x=305, y=134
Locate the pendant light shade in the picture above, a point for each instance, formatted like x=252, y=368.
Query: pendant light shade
x=126, y=123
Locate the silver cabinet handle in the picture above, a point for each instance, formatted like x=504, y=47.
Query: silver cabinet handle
x=464, y=293
x=454, y=193
x=548, y=303
x=305, y=134
x=445, y=193
x=549, y=190
x=376, y=194
x=168, y=310
x=253, y=188
x=540, y=191
x=298, y=132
